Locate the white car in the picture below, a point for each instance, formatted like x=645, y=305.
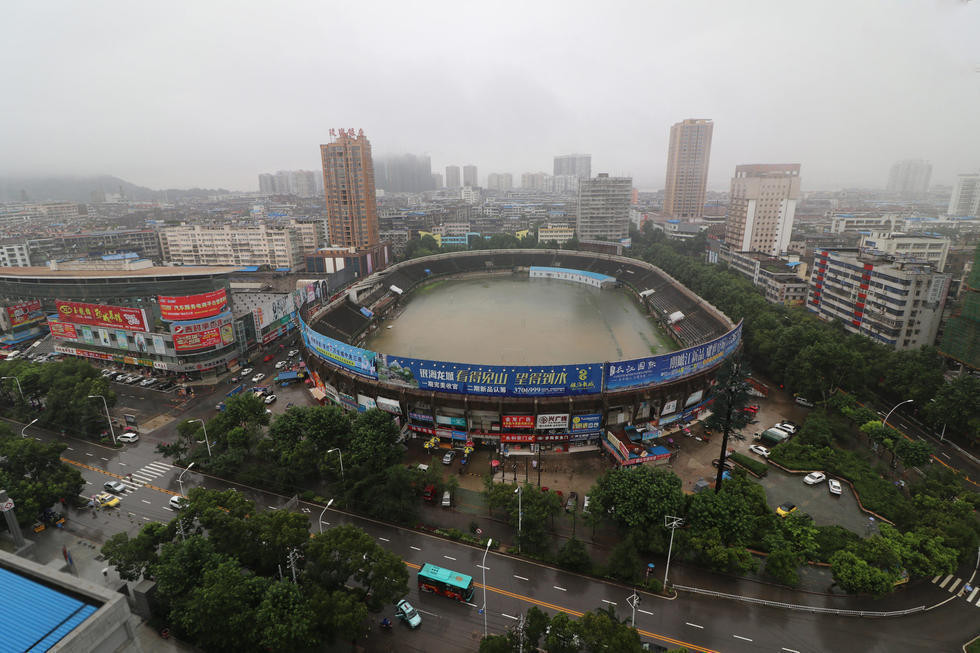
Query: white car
x=128, y=436
x=834, y=486
x=281, y=364
x=246, y=372
x=107, y=372
x=447, y=459
x=177, y=502
x=258, y=377
x=814, y=477
x=293, y=352
x=270, y=399
x=759, y=449
x=789, y=427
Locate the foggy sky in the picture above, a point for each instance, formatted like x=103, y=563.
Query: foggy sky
x=210, y=94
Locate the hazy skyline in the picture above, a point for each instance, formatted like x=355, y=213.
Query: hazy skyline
x=212, y=94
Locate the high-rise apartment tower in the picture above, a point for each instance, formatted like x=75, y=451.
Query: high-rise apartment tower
x=578, y=165
x=910, y=178
x=762, y=207
x=604, y=207
x=453, y=177
x=966, y=196
x=687, y=168
x=469, y=176
x=348, y=183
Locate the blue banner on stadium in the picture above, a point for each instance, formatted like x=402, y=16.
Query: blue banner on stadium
x=640, y=372
x=335, y=352
x=497, y=380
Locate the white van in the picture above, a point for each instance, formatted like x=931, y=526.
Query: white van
x=447, y=499
x=803, y=401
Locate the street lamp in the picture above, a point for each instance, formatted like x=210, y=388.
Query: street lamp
x=329, y=503
x=112, y=431
x=22, y=431
x=673, y=523
x=180, y=483
x=885, y=421
x=19, y=389
x=341, y=454
x=484, y=565
x=520, y=517
x=205, y=434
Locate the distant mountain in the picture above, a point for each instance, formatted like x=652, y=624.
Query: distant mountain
x=87, y=189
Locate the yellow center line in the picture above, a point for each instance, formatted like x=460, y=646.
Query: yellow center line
x=119, y=476
x=575, y=613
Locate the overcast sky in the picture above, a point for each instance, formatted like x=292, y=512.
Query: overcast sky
x=180, y=94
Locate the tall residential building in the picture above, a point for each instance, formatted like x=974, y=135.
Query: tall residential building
x=348, y=182
x=966, y=196
x=277, y=247
x=604, y=207
x=578, y=165
x=267, y=184
x=761, y=207
x=453, y=177
x=500, y=181
x=535, y=180
x=302, y=183
x=910, y=178
x=899, y=304
x=406, y=173
x=687, y=168
x=436, y=180
x=469, y=176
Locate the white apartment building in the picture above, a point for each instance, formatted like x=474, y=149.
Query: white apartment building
x=931, y=249
x=899, y=304
x=762, y=207
x=841, y=222
x=966, y=196
x=604, y=207
x=15, y=255
x=559, y=233
x=278, y=247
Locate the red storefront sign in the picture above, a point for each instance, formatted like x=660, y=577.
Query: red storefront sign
x=517, y=437
x=518, y=421
x=192, y=307
x=117, y=317
x=63, y=330
x=422, y=429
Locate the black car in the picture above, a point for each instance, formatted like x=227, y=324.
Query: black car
x=727, y=466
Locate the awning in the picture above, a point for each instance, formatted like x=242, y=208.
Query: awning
x=318, y=394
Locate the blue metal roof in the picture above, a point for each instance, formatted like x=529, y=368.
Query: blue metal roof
x=282, y=269
x=36, y=617
x=249, y=268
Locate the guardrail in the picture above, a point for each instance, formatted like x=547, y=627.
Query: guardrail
x=800, y=608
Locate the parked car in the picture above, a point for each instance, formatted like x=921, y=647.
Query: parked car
x=136, y=378
x=572, y=503
x=447, y=459
x=128, y=436
x=814, y=477
x=429, y=493
x=177, y=502
x=408, y=614
x=789, y=427
x=585, y=504
x=270, y=399
x=258, y=377
x=146, y=383
x=834, y=486
x=751, y=409
x=293, y=352
x=268, y=358
x=107, y=372
x=803, y=401
x=114, y=486
x=759, y=449
x=727, y=466
x=447, y=499
x=785, y=509
x=281, y=364
x=107, y=500
x=246, y=372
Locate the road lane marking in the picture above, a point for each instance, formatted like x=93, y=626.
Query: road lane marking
x=609, y=602
x=519, y=577
x=384, y=539
x=89, y=454
x=560, y=588
x=449, y=558
x=694, y=625
x=416, y=548
x=504, y=614
x=936, y=578
x=790, y=650
x=743, y=638
x=972, y=594
x=482, y=567
x=948, y=578
x=644, y=612
x=952, y=587
x=105, y=459
x=144, y=501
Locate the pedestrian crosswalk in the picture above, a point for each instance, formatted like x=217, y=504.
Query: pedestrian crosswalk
x=958, y=586
x=145, y=475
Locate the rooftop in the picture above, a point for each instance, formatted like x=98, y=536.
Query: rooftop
x=155, y=271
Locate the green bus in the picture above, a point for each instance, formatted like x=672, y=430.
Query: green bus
x=446, y=582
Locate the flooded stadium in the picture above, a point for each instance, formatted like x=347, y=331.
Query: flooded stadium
x=509, y=321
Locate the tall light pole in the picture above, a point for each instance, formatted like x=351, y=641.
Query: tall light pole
x=19, y=389
x=673, y=523
x=520, y=518
x=180, y=483
x=205, y=434
x=23, y=433
x=112, y=431
x=329, y=503
x=884, y=422
x=341, y=454
x=484, y=565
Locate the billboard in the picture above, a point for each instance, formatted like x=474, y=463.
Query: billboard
x=23, y=313
x=115, y=317
x=203, y=334
x=552, y=421
x=192, y=307
x=639, y=372
x=63, y=330
x=518, y=421
x=389, y=405
x=496, y=380
x=587, y=422
x=335, y=352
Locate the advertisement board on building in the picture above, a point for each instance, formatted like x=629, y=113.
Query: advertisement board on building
x=115, y=317
x=340, y=354
x=517, y=421
x=694, y=398
x=450, y=420
x=159, y=345
x=517, y=437
x=552, y=421
x=586, y=422
x=365, y=403
x=193, y=307
x=203, y=334
x=496, y=380
x=23, y=313
x=651, y=370
x=121, y=340
x=420, y=417
x=669, y=407
x=63, y=330
x=389, y=405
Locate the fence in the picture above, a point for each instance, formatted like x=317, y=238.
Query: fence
x=801, y=608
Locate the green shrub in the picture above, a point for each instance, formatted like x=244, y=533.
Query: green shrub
x=831, y=539
x=755, y=466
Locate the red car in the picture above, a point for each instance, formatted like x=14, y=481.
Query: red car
x=268, y=358
x=751, y=409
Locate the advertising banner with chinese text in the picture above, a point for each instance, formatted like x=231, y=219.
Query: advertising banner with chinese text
x=552, y=421
x=518, y=421
x=23, y=313
x=63, y=330
x=193, y=307
x=339, y=353
x=586, y=422
x=203, y=334
x=116, y=317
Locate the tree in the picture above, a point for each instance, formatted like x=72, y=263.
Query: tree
x=624, y=561
x=346, y=552
x=955, y=408
x=641, y=496
x=131, y=557
x=33, y=474
x=284, y=619
x=602, y=631
x=269, y=536
x=561, y=636
x=855, y=575
x=535, y=624
x=371, y=447
x=913, y=453
x=574, y=556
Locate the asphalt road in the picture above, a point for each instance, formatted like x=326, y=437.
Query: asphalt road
x=825, y=508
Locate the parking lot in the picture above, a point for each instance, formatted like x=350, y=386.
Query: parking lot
x=816, y=501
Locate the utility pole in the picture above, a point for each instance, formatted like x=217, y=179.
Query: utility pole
x=292, y=557
x=673, y=523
